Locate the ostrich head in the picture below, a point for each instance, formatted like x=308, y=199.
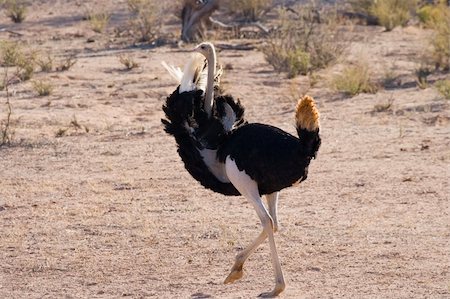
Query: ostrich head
x=206, y=49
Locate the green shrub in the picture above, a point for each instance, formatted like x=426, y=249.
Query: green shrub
x=292, y=61
x=301, y=44
x=392, y=13
x=443, y=86
x=12, y=55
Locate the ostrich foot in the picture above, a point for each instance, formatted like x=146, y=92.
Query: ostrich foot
x=235, y=274
x=278, y=289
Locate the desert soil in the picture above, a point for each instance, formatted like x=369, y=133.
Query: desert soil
x=107, y=210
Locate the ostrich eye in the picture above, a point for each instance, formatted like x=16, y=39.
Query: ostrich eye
x=203, y=47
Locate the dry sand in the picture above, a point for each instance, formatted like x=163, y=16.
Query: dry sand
x=112, y=213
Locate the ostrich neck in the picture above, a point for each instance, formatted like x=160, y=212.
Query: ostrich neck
x=210, y=82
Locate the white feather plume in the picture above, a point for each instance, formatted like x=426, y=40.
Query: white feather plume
x=194, y=75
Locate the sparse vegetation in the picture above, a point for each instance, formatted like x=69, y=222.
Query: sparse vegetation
x=15, y=10
x=251, y=10
x=12, y=55
x=355, y=79
x=42, y=88
x=6, y=131
x=128, y=62
x=443, y=86
x=301, y=44
x=383, y=107
x=146, y=19
x=66, y=64
x=45, y=63
x=99, y=21
x=422, y=74
x=437, y=17
x=392, y=13
x=441, y=39
x=387, y=13
x=73, y=125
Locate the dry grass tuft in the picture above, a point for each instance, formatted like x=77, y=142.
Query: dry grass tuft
x=422, y=74
x=384, y=107
x=128, y=62
x=387, y=13
x=146, y=18
x=42, y=88
x=74, y=125
x=15, y=10
x=45, y=63
x=13, y=55
x=443, y=86
x=99, y=21
x=302, y=44
x=355, y=79
x=250, y=10
x=66, y=64
x=392, y=13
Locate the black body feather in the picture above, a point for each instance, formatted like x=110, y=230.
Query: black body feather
x=270, y=156
x=188, y=122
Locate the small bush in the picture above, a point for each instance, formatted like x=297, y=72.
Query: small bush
x=443, y=86
x=422, y=74
x=12, y=55
x=441, y=39
x=45, y=63
x=383, y=107
x=146, y=19
x=15, y=10
x=292, y=61
x=99, y=21
x=42, y=88
x=392, y=13
x=66, y=64
x=355, y=79
x=301, y=44
x=128, y=62
x=251, y=10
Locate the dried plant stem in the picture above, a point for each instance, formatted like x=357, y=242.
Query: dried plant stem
x=6, y=136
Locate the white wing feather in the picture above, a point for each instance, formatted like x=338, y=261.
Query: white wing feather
x=193, y=77
x=174, y=71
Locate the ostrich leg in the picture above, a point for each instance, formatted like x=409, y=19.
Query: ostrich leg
x=237, y=269
x=249, y=189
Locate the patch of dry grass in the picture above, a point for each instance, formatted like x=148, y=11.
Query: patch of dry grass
x=15, y=10
x=128, y=62
x=251, y=10
x=392, y=13
x=146, y=18
x=443, y=86
x=13, y=55
x=302, y=44
x=43, y=88
x=99, y=21
x=355, y=79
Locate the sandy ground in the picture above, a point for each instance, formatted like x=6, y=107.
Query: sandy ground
x=112, y=213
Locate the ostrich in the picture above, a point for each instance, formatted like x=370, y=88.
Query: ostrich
x=248, y=159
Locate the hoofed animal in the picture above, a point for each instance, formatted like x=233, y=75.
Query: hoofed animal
x=230, y=156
